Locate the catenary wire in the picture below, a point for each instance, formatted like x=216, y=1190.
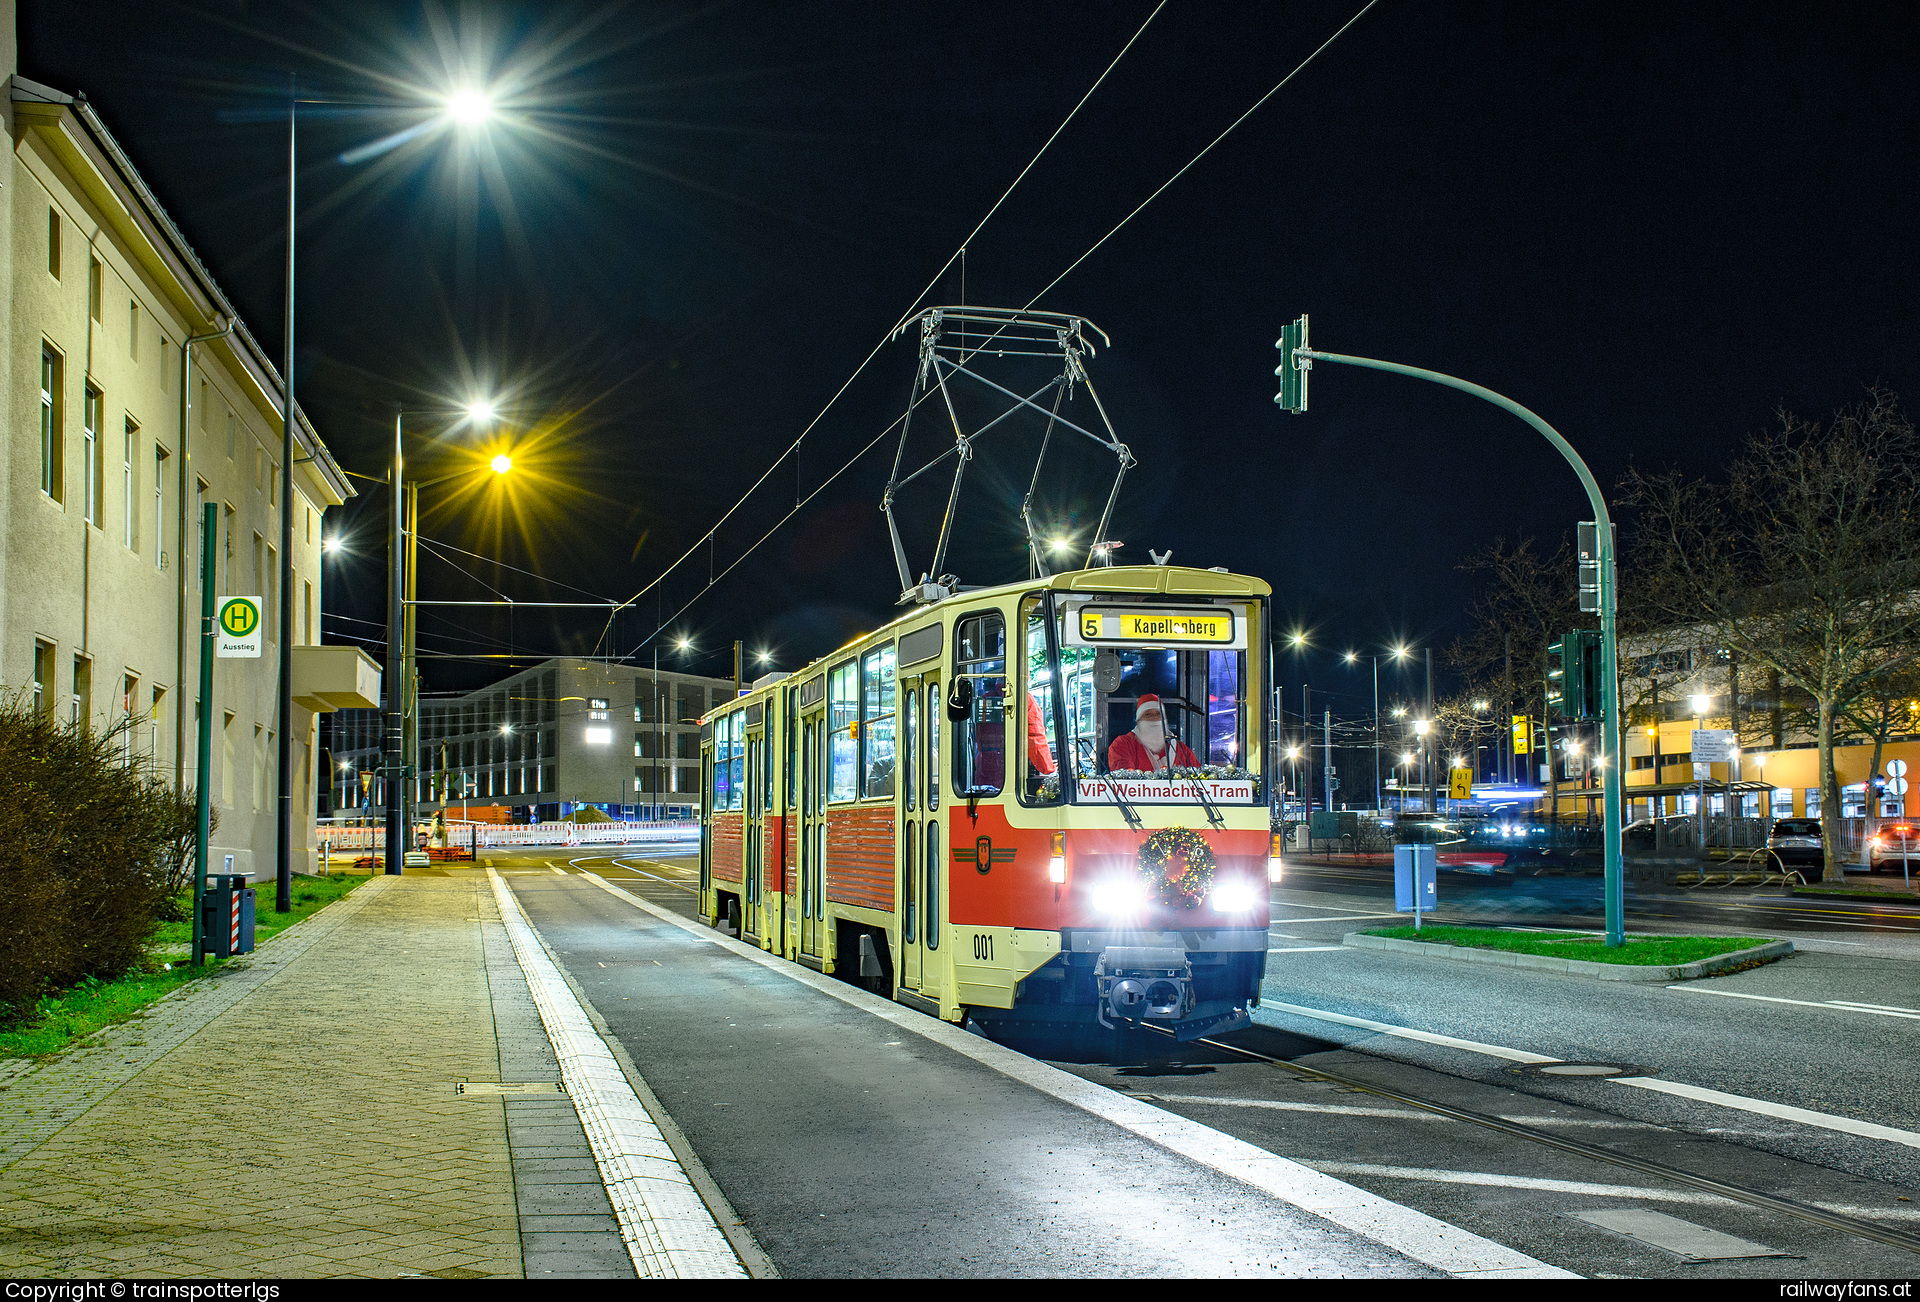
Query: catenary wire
x=794, y=446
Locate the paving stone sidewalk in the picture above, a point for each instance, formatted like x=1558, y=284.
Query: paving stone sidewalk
x=296, y=1115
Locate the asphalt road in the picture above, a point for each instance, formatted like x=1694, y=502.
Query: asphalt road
x=852, y=1149
x=811, y=1146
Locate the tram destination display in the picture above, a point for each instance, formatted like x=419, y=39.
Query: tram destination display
x=1103, y=624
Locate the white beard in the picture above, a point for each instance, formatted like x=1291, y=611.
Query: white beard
x=1153, y=735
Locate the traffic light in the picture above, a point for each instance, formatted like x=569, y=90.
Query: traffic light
x=1522, y=735
x=1292, y=370
x=1573, y=675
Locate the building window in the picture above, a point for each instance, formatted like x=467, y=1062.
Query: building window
x=166, y=371
x=53, y=242
x=231, y=431
x=96, y=281
x=92, y=470
x=82, y=716
x=259, y=469
x=129, y=513
x=306, y=614
x=159, y=507
x=52, y=439
x=259, y=766
x=273, y=484
x=1813, y=802
x=270, y=589
x=1783, y=802
x=133, y=330
x=43, y=679
x=259, y=565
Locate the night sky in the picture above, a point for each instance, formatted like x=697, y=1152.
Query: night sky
x=1651, y=224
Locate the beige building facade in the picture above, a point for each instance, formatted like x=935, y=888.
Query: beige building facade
x=116, y=441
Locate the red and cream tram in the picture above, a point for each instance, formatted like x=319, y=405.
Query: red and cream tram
x=1037, y=805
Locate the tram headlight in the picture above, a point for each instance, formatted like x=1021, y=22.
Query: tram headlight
x=1234, y=897
x=1117, y=896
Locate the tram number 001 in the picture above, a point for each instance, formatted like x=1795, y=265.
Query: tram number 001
x=983, y=946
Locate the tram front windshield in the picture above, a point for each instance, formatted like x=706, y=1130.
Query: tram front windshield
x=1139, y=711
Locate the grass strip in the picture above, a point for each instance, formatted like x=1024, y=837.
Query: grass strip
x=71, y=1015
x=1639, y=951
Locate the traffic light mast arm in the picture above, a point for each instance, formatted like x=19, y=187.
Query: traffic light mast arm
x=1609, y=680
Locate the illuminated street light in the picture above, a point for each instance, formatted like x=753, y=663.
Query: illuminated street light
x=1406, y=757
x=1299, y=639
x=1400, y=652
x=761, y=657
x=1061, y=544
x=1399, y=711
x=502, y=464
x=469, y=107
x=330, y=544
x=1293, y=752
x=1350, y=657
x=683, y=644
x=1420, y=727
x=1701, y=704
x=482, y=410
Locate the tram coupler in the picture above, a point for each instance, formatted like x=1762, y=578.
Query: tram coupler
x=1140, y=983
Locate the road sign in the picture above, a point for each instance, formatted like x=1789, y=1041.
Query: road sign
x=1896, y=786
x=1460, y=784
x=1522, y=735
x=1896, y=768
x=1712, y=745
x=238, y=633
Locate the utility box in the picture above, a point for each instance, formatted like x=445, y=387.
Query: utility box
x=226, y=915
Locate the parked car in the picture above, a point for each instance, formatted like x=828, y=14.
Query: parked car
x=1795, y=844
x=1893, y=843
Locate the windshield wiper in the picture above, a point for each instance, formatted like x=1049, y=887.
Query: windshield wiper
x=1213, y=815
x=1126, y=810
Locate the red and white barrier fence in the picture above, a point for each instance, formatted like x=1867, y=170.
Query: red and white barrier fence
x=345, y=840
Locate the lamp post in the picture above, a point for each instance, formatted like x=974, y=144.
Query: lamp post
x=395, y=741
x=468, y=108
x=1700, y=703
x=1300, y=356
x=1421, y=727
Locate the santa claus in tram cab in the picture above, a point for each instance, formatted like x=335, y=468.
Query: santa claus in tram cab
x=1148, y=748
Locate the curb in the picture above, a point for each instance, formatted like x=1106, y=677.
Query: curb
x=1766, y=953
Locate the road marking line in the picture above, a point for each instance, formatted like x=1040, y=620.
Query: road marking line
x=561, y=871
x=1280, y=1105
x=1406, y=1231
x=1408, y=1033
x=1834, y=1005
x=668, y=1229
x=1309, y=949
x=1785, y=1112
x=1581, y=1188
x=1331, y=908
x=1349, y=917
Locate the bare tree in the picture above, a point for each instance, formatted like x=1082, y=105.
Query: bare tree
x=1804, y=562
x=1529, y=600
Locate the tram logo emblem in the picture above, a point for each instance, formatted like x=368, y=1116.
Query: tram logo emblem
x=982, y=855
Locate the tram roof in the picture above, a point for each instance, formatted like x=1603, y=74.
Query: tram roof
x=1119, y=580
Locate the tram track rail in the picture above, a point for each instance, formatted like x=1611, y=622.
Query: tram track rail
x=1613, y=1157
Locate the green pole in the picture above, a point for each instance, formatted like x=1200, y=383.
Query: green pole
x=209, y=535
x=1609, y=682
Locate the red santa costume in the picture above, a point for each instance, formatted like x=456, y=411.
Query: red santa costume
x=1148, y=748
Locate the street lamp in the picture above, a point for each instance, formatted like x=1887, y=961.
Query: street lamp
x=467, y=107
x=402, y=572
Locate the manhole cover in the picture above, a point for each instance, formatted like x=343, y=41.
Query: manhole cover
x=1581, y=1069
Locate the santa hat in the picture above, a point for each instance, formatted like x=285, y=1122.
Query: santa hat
x=1144, y=702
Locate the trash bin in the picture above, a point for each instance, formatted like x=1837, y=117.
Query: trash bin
x=226, y=918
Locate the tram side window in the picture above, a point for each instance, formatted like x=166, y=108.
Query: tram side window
x=843, y=722
x=877, y=725
x=1041, y=746
x=726, y=789
x=980, y=747
x=736, y=758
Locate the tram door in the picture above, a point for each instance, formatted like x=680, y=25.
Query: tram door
x=753, y=821
x=919, y=825
x=813, y=832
